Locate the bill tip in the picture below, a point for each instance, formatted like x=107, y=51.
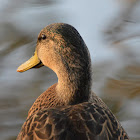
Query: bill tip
x=19, y=70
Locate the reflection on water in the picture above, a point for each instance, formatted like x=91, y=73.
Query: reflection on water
x=116, y=71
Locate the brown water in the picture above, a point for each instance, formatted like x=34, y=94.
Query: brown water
x=116, y=75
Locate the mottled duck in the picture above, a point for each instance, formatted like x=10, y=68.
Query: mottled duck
x=68, y=110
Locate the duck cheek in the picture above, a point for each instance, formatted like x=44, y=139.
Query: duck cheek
x=44, y=57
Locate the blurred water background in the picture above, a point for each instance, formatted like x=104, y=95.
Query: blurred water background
x=111, y=30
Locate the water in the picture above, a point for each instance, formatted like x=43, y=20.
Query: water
x=116, y=69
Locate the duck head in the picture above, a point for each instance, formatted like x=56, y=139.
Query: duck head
x=61, y=48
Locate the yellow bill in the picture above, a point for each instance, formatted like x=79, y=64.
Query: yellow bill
x=33, y=62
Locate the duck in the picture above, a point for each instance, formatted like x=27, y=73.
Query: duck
x=67, y=110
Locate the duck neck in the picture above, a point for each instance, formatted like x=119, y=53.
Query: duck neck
x=74, y=85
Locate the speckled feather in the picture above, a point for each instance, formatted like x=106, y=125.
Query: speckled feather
x=86, y=121
x=68, y=110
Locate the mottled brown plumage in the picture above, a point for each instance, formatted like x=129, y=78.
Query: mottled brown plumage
x=68, y=110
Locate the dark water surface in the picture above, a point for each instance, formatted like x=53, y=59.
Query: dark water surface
x=116, y=75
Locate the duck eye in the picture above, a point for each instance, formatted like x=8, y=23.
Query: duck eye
x=43, y=37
